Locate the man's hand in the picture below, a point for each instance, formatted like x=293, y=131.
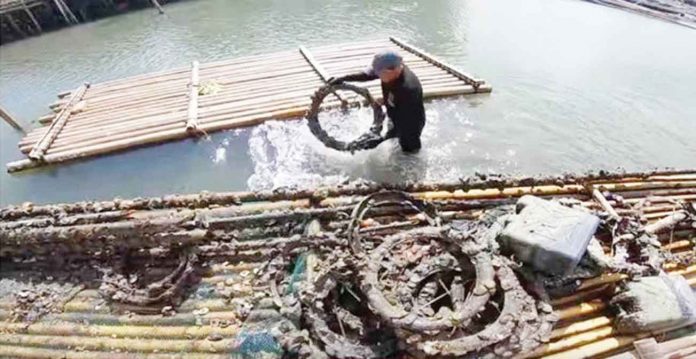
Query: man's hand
x=335, y=80
x=365, y=142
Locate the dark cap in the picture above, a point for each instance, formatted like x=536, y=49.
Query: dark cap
x=386, y=59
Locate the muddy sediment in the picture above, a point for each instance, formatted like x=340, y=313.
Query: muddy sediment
x=357, y=271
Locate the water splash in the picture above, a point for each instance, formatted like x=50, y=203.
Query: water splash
x=287, y=154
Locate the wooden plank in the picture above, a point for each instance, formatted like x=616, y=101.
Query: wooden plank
x=192, y=117
x=437, y=62
x=42, y=145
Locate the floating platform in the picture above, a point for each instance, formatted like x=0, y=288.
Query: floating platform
x=98, y=119
x=50, y=247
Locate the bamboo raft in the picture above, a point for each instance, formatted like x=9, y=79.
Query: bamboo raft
x=258, y=222
x=103, y=118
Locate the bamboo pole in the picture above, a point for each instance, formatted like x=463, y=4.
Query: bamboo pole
x=228, y=75
x=88, y=132
x=632, y=186
x=205, y=115
x=601, y=280
x=84, y=127
x=116, y=105
x=344, y=46
x=140, y=130
x=10, y=120
x=13, y=351
x=120, y=331
x=321, y=52
x=93, y=306
x=605, y=205
x=647, y=349
x=126, y=116
x=365, y=51
x=151, y=138
x=346, y=195
x=581, y=310
x=350, y=67
x=574, y=341
x=182, y=72
x=158, y=6
x=365, y=59
x=46, y=119
x=179, y=319
x=430, y=58
x=361, y=64
x=100, y=109
x=230, y=103
x=657, y=193
x=31, y=16
x=580, y=296
x=580, y=327
x=44, y=143
x=234, y=76
x=192, y=114
x=106, y=89
x=667, y=222
x=596, y=348
x=62, y=11
x=136, y=96
x=137, y=345
x=676, y=177
x=103, y=111
x=33, y=135
x=678, y=345
x=318, y=69
x=15, y=27
x=69, y=12
x=113, y=127
x=439, y=91
x=316, y=65
x=666, y=212
x=158, y=126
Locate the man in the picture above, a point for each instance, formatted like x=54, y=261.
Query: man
x=402, y=94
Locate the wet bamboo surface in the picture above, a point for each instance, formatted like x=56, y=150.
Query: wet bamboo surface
x=153, y=108
x=86, y=327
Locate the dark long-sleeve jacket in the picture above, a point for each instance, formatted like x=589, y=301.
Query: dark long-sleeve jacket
x=403, y=99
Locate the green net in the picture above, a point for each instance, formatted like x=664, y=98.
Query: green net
x=257, y=339
x=298, y=272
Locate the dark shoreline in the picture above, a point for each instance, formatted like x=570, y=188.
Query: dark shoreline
x=18, y=21
x=675, y=11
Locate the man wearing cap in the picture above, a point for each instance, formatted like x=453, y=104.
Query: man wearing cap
x=402, y=94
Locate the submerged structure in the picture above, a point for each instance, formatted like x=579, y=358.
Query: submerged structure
x=682, y=12
x=359, y=271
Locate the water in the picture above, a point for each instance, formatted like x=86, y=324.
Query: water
x=576, y=86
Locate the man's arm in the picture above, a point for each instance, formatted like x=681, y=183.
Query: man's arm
x=361, y=76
